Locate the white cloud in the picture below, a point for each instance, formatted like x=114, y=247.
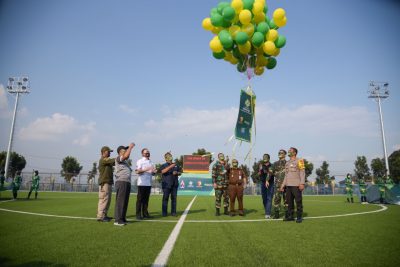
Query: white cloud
x=127, y=109
x=396, y=147
x=58, y=127
x=310, y=120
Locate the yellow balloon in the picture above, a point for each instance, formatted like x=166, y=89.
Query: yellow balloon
x=257, y=8
x=228, y=56
x=249, y=29
x=216, y=45
x=237, y=5
x=234, y=61
x=259, y=70
x=207, y=24
x=261, y=60
x=276, y=52
x=233, y=30
x=272, y=35
x=260, y=17
x=269, y=47
x=245, y=49
x=260, y=1
x=281, y=23
x=216, y=30
x=260, y=51
x=279, y=14
x=245, y=16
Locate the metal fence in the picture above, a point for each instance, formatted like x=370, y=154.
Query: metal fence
x=80, y=183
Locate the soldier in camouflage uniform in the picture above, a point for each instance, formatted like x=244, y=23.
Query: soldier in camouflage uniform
x=16, y=184
x=220, y=183
x=35, y=184
x=278, y=170
x=363, y=190
x=349, y=188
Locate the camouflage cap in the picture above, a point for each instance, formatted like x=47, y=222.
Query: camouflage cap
x=105, y=148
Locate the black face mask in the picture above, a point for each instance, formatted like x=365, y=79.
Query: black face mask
x=147, y=155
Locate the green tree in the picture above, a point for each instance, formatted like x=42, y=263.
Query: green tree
x=323, y=173
x=361, y=169
x=202, y=152
x=394, y=166
x=17, y=162
x=378, y=167
x=70, y=168
x=93, y=172
x=309, y=167
x=245, y=169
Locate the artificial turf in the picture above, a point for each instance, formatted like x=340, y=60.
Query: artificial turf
x=361, y=240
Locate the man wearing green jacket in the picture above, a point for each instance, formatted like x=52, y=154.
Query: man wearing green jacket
x=35, y=184
x=105, y=184
x=16, y=184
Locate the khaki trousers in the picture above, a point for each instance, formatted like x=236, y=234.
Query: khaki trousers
x=104, y=200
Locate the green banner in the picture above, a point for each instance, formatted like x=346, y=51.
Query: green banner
x=245, y=117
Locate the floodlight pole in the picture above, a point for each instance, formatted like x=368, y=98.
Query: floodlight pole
x=376, y=94
x=16, y=85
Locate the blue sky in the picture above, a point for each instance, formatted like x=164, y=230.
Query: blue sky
x=114, y=72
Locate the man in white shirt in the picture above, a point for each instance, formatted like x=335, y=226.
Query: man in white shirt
x=145, y=169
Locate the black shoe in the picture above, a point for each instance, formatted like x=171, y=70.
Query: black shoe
x=139, y=218
x=217, y=212
x=232, y=213
x=299, y=220
x=147, y=216
x=288, y=219
x=226, y=211
x=352, y=200
x=108, y=218
x=174, y=214
x=105, y=219
x=348, y=200
x=164, y=215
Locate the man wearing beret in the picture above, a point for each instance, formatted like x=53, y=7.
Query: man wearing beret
x=105, y=183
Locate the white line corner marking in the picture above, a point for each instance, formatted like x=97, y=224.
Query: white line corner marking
x=163, y=256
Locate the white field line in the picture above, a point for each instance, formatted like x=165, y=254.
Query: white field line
x=383, y=208
x=163, y=256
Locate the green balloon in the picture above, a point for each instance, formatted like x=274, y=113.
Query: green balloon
x=263, y=27
x=225, y=23
x=222, y=5
x=213, y=11
x=219, y=55
x=266, y=55
x=257, y=39
x=241, y=38
x=267, y=20
x=265, y=9
x=241, y=67
x=225, y=39
x=271, y=63
x=236, y=52
x=252, y=61
x=248, y=4
x=216, y=20
x=280, y=42
x=228, y=13
x=272, y=25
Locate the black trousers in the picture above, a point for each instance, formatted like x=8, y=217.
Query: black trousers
x=142, y=201
x=122, y=190
x=173, y=191
x=294, y=193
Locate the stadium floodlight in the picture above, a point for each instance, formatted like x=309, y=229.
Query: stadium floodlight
x=379, y=91
x=16, y=85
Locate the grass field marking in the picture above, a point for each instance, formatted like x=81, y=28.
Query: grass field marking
x=48, y=215
x=3, y=201
x=163, y=256
x=383, y=208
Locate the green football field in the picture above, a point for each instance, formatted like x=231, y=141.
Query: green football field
x=59, y=229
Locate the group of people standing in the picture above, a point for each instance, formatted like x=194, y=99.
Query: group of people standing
x=281, y=181
x=145, y=169
x=17, y=181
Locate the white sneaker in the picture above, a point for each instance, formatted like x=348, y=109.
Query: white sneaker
x=267, y=217
x=119, y=224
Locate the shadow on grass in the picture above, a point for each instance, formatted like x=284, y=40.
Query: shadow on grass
x=7, y=262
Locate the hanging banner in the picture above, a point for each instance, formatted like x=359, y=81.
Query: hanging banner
x=245, y=117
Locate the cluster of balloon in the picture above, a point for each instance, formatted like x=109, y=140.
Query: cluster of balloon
x=245, y=36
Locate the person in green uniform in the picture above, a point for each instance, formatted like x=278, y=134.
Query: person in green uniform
x=363, y=190
x=382, y=190
x=2, y=179
x=349, y=188
x=220, y=183
x=16, y=184
x=278, y=169
x=35, y=184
